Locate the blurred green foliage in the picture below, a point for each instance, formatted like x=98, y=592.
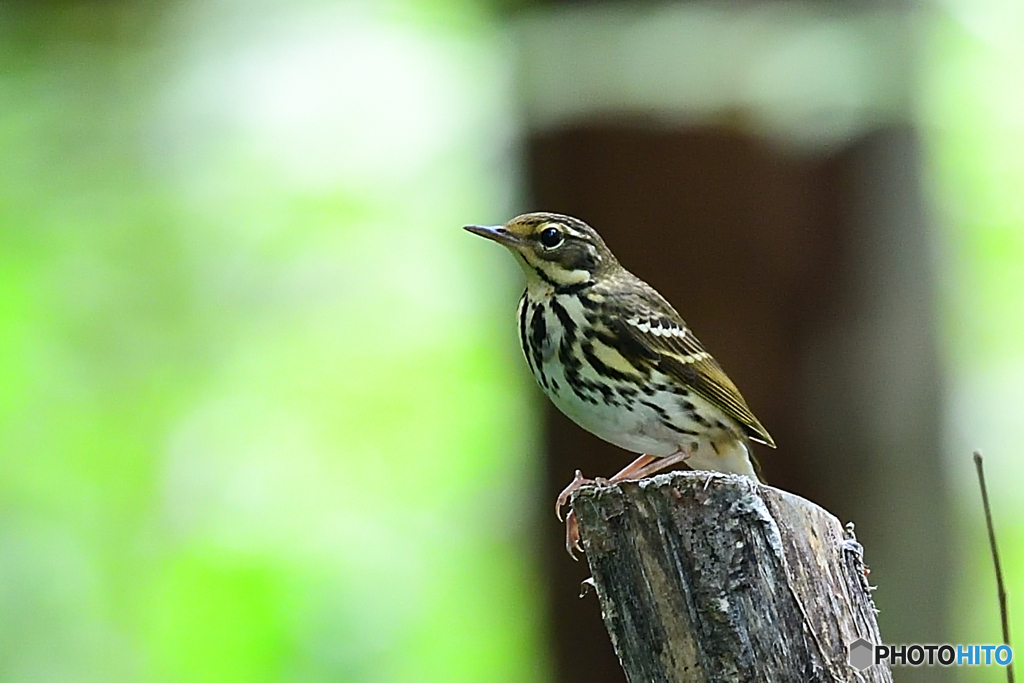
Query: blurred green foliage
x=256, y=423
x=973, y=118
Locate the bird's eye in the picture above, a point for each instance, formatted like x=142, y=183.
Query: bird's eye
x=551, y=237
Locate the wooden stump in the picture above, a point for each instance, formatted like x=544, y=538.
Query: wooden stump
x=710, y=577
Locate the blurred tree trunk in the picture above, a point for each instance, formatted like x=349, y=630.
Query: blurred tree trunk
x=808, y=275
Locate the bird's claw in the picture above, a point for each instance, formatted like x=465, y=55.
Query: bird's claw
x=563, y=497
x=572, y=535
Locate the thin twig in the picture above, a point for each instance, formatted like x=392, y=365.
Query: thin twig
x=1003, y=612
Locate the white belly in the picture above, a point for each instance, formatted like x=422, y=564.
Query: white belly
x=632, y=426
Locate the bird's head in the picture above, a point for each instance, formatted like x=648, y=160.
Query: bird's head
x=555, y=251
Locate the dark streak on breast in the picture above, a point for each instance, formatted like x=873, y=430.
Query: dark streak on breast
x=524, y=305
x=538, y=338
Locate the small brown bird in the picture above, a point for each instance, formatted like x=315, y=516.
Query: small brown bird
x=618, y=360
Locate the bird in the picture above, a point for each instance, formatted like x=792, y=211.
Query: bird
x=617, y=359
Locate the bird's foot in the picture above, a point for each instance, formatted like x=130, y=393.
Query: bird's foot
x=643, y=466
x=563, y=497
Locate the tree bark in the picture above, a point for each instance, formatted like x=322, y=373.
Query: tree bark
x=710, y=577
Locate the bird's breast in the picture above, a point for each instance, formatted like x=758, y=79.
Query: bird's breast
x=593, y=381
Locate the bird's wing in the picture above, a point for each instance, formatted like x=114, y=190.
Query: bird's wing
x=680, y=355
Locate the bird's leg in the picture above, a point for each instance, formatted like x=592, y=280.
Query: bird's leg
x=630, y=471
x=658, y=465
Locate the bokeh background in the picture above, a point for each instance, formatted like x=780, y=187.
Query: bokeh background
x=262, y=413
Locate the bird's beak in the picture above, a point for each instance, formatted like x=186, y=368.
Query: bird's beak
x=498, y=233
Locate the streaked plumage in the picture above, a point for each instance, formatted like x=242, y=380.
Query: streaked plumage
x=616, y=358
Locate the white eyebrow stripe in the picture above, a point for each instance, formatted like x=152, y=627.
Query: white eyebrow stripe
x=568, y=231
